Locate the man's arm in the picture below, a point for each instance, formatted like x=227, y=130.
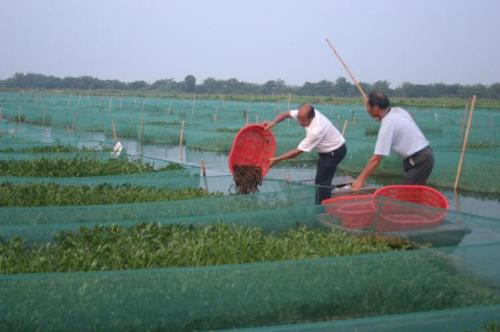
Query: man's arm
x=369, y=168
x=280, y=117
x=287, y=155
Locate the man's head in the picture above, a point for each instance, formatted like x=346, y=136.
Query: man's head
x=377, y=104
x=306, y=115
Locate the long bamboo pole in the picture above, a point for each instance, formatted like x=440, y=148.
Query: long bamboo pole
x=344, y=127
x=462, y=126
x=356, y=82
x=464, y=146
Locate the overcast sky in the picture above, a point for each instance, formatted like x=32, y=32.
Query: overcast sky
x=419, y=41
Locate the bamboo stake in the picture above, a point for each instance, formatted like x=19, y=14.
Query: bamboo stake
x=110, y=102
x=457, y=200
x=203, y=171
x=462, y=127
x=181, y=148
x=113, y=128
x=142, y=126
x=348, y=71
x=464, y=146
x=344, y=128
x=215, y=114
x=182, y=133
x=256, y=118
x=194, y=106
x=43, y=118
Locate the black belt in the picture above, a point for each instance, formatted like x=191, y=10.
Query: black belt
x=329, y=153
x=418, y=152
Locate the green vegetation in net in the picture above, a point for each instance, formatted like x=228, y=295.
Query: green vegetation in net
x=77, y=167
x=54, y=194
x=155, y=246
x=236, y=295
x=57, y=148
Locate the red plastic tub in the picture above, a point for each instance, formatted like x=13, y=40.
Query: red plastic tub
x=354, y=211
x=404, y=207
x=252, y=146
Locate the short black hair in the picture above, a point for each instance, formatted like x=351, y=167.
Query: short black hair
x=310, y=110
x=377, y=98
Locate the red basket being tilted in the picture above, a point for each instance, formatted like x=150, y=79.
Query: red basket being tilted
x=252, y=146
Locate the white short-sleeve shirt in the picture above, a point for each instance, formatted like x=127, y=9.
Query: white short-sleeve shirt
x=399, y=133
x=321, y=134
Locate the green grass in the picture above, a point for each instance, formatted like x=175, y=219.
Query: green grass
x=54, y=194
x=57, y=148
x=76, y=167
x=153, y=246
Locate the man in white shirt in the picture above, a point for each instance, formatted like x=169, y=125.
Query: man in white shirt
x=322, y=136
x=399, y=133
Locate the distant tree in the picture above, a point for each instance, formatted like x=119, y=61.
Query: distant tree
x=189, y=83
x=494, y=91
x=382, y=86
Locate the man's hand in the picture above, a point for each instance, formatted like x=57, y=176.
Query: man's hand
x=357, y=184
x=273, y=161
x=267, y=125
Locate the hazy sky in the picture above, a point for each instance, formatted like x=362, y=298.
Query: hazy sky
x=419, y=41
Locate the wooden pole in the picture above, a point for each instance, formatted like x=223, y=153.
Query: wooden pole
x=194, y=106
x=348, y=71
x=110, y=102
x=113, y=128
x=462, y=127
x=457, y=200
x=142, y=126
x=43, y=118
x=464, y=146
x=182, y=133
x=344, y=128
x=215, y=113
x=203, y=171
x=181, y=148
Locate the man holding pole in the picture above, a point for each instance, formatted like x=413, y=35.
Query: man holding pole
x=399, y=133
x=322, y=136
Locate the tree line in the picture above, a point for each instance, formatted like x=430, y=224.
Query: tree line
x=338, y=88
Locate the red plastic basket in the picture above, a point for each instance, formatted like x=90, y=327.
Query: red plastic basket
x=252, y=146
x=427, y=207
x=354, y=211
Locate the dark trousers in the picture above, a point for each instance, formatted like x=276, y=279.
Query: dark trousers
x=327, y=165
x=418, y=167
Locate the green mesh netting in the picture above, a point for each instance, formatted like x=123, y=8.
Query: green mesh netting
x=273, y=211
x=210, y=125
x=246, y=295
